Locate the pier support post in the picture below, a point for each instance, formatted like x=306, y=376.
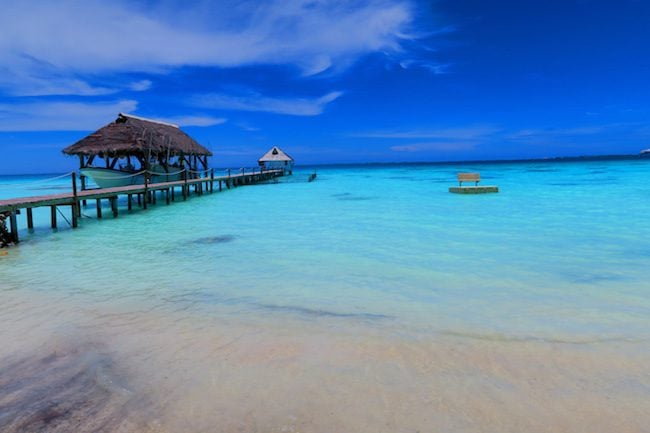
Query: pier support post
x=99, y=208
x=173, y=193
x=74, y=212
x=13, y=227
x=211, y=181
x=30, y=218
x=53, y=216
x=167, y=195
x=129, y=198
x=220, y=189
x=114, y=206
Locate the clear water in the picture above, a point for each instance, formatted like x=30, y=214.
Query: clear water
x=369, y=300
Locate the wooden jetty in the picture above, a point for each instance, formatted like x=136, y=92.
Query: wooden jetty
x=474, y=189
x=145, y=194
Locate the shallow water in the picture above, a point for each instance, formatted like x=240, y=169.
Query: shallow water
x=370, y=300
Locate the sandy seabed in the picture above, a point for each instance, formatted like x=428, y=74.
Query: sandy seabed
x=68, y=367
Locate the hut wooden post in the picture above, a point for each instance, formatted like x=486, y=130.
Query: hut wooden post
x=173, y=193
x=30, y=218
x=82, y=178
x=76, y=210
x=99, y=208
x=129, y=199
x=211, y=181
x=185, y=188
x=145, y=196
x=114, y=206
x=13, y=227
x=167, y=195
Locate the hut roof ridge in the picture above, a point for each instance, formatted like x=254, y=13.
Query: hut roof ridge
x=144, y=119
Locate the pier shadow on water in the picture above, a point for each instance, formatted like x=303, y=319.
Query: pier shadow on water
x=213, y=240
x=69, y=389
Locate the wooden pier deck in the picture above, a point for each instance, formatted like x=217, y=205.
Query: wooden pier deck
x=144, y=193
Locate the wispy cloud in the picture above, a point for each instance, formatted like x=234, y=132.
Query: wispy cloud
x=559, y=132
x=140, y=86
x=434, y=146
x=466, y=133
x=76, y=40
x=79, y=116
x=258, y=102
x=433, y=67
x=61, y=116
x=195, y=120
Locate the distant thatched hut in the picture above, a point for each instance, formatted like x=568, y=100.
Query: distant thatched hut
x=276, y=158
x=155, y=146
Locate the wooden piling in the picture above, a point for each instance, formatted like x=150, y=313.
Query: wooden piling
x=99, y=208
x=30, y=218
x=53, y=216
x=74, y=210
x=114, y=206
x=129, y=198
x=13, y=227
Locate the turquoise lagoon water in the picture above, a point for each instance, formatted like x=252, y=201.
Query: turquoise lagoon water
x=369, y=300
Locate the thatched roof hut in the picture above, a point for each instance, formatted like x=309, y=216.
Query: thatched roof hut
x=135, y=136
x=275, y=159
x=275, y=154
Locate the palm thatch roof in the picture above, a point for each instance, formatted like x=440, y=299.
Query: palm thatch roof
x=275, y=154
x=131, y=135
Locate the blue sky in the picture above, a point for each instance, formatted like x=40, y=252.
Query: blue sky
x=329, y=81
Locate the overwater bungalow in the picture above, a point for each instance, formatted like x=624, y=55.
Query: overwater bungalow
x=130, y=148
x=276, y=159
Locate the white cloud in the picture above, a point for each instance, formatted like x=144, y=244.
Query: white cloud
x=72, y=38
x=61, y=116
x=257, y=102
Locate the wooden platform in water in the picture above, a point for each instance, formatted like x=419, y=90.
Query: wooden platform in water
x=473, y=189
